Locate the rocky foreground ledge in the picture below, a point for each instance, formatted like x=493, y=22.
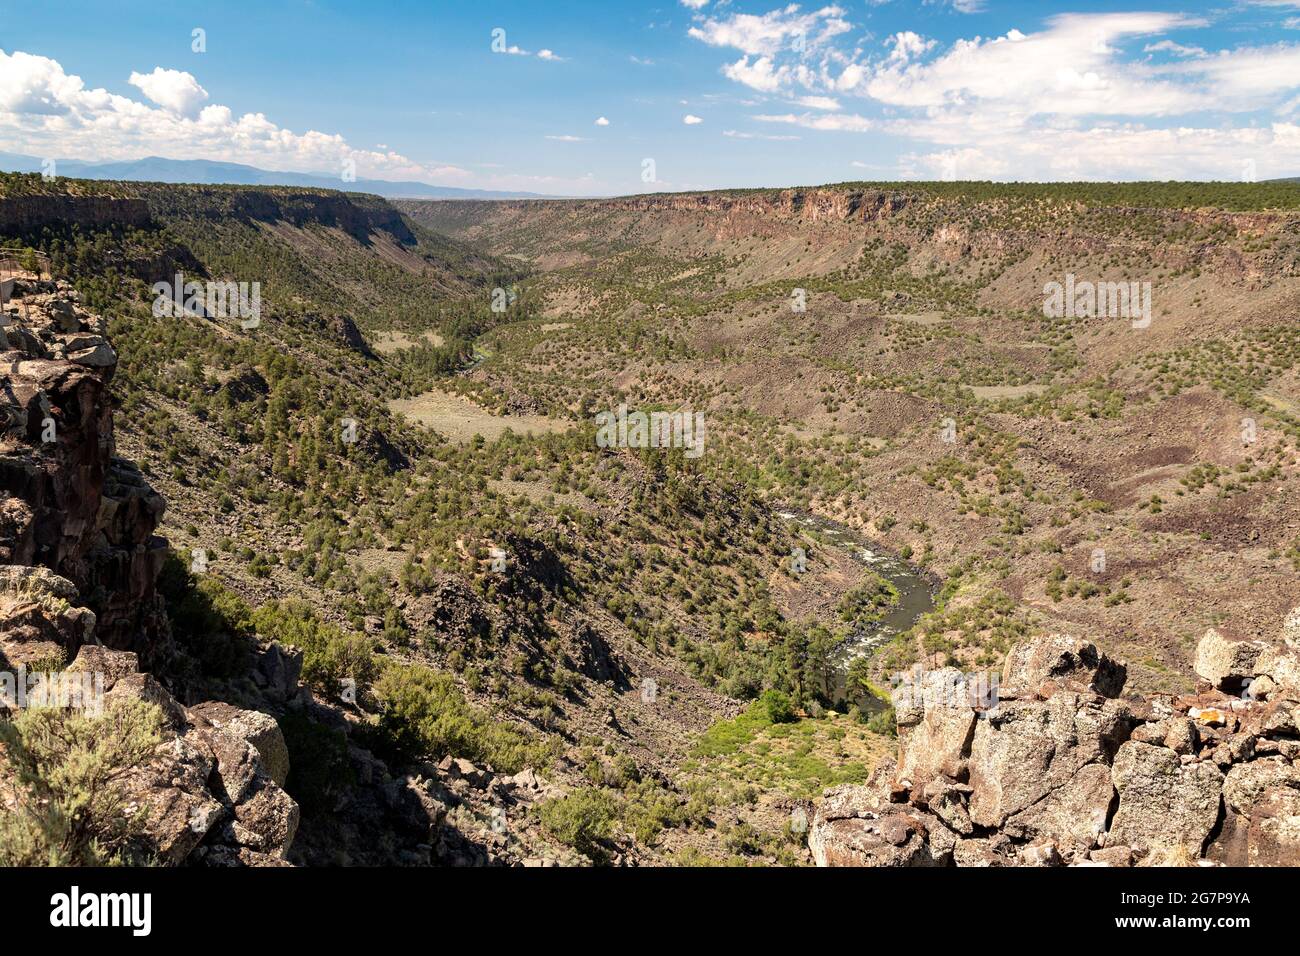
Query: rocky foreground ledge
x=1063, y=770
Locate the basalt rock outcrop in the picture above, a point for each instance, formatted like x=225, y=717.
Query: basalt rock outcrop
x=1059, y=769
x=69, y=503
x=213, y=793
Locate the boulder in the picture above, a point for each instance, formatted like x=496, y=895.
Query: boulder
x=1118, y=856
x=1178, y=733
x=1227, y=664
x=938, y=745
x=1040, y=768
x=948, y=802
x=1040, y=854
x=851, y=828
x=146, y=687
x=983, y=852
x=259, y=730
x=917, y=690
x=1059, y=657
x=208, y=785
x=108, y=663
x=1277, y=674
x=1245, y=784
x=1164, y=807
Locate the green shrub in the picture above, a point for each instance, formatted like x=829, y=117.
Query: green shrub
x=423, y=714
x=776, y=707
x=329, y=654
x=583, y=819
x=66, y=768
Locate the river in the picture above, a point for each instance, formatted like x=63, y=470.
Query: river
x=916, y=589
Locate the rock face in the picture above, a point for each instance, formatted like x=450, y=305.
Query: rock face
x=1163, y=804
x=70, y=505
x=1061, y=771
x=210, y=793
x=1040, y=769
x=79, y=562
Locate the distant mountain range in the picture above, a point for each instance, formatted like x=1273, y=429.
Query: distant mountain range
x=156, y=169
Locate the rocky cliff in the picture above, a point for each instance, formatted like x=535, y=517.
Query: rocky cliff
x=24, y=214
x=71, y=505
x=1062, y=769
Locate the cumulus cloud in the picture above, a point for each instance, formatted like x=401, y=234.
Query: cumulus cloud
x=762, y=74
x=601, y=121
x=691, y=120
x=173, y=90
x=36, y=85
x=45, y=109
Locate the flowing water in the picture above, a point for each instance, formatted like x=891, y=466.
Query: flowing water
x=915, y=589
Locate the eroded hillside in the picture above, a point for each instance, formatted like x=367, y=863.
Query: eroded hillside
x=1130, y=481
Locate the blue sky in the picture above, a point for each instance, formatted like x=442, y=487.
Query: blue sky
x=716, y=93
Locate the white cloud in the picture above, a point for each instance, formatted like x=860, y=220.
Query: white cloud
x=1084, y=96
x=1067, y=69
x=818, y=102
x=601, y=121
x=1178, y=49
x=827, y=122
x=761, y=75
x=695, y=4
x=550, y=55
x=174, y=90
x=908, y=46
x=691, y=120
x=772, y=32
x=735, y=134
x=1119, y=152
x=566, y=138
